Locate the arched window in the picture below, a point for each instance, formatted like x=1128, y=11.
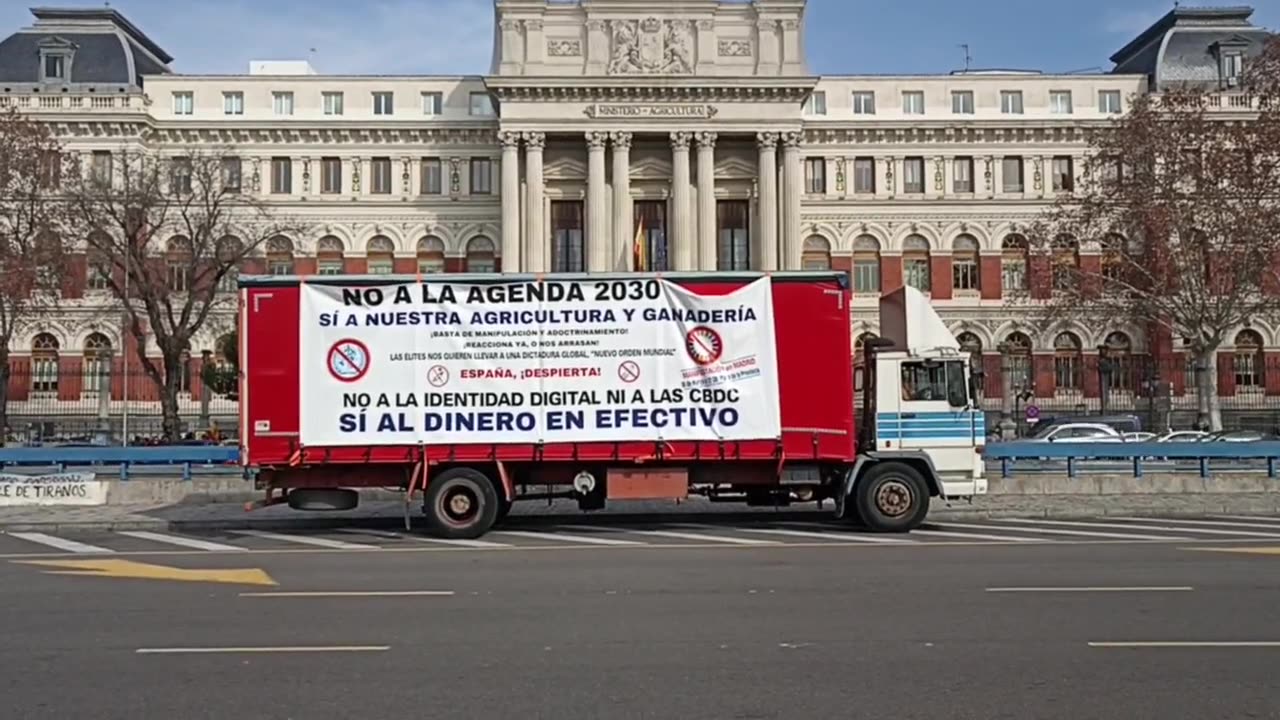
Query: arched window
x=860, y=343
x=329, y=254
x=97, y=364
x=178, y=264
x=44, y=364
x=966, y=278
x=430, y=255
x=1066, y=262
x=380, y=254
x=480, y=255
x=866, y=265
x=915, y=262
x=1248, y=361
x=1119, y=351
x=1017, y=358
x=1014, y=257
x=816, y=254
x=280, y=255
x=1068, y=362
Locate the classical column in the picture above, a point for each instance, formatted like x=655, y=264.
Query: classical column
x=706, y=201
x=621, y=258
x=533, y=239
x=597, y=204
x=679, y=231
x=767, y=254
x=510, y=200
x=793, y=182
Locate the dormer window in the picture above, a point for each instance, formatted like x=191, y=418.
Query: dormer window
x=55, y=68
x=1232, y=67
x=55, y=60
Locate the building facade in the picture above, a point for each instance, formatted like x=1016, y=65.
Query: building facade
x=616, y=135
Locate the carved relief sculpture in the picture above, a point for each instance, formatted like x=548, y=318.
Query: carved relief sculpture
x=734, y=48
x=651, y=47
x=621, y=140
x=564, y=48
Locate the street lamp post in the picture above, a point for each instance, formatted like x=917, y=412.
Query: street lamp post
x=1106, y=366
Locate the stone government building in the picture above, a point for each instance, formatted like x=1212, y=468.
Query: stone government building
x=702, y=129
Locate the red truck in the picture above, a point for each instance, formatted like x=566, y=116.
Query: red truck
x=481, y=390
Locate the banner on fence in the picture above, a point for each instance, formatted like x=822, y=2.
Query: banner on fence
x=76, y=488
x=549, y=361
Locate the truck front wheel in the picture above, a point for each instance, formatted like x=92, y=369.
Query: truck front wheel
x=891, y=497
x=460, y=503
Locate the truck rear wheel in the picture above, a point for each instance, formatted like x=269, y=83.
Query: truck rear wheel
x=460, y=503
x=891, y=497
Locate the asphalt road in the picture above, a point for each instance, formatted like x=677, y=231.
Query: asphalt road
x=687, y=630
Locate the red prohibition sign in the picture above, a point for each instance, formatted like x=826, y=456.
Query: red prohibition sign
x=629, y=372
x=348, y=360
x=438, y=375
x=703, y=345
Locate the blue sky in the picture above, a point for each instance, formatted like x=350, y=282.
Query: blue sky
x=455, y=36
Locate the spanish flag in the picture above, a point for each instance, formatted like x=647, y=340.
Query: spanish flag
x=637, y=249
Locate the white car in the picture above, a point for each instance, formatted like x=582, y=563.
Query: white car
x=1139, y=437
x=1080, y=432
x=1181, y=436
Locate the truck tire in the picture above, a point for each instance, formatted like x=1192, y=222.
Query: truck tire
x=891, y=497
x=461, y=503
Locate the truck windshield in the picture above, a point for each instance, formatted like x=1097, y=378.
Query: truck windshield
x=937, y=381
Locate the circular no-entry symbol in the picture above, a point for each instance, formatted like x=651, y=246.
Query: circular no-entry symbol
x=629, y=372
x=1033, y=412
x=703, y=345
x=438, y=375
x=348, y=360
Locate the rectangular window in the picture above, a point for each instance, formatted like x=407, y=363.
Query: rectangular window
x=913, y=175
x=329, y=266
x=915, y=272
x=481, y=104
x=1013, y=273
x=816, y=103
x=1232, y=68
x=912, y=102
x=1011, y=102
x=103, y=166
x=733, y=246
x=481, y=176
x=962, y=102
x=815, y=176
x=230, y=280
x=50, y=169
x=864, y=175
x=333, y=103
x=1109, y=102
x=1066, y=371
x=567, y=249
x=432, y=177
x=864, y=102
x=964, y=273
x=1064, y=179
x=232, y=103
x=282, y=103
x=180, y=175
x=650, y=217
x=178, y=272
x=280, y=266
x=432, y=103
x=330, y=175
x=281, y=176
x=1060, y=102
x=231, y=174
x=55, y=67
x=1011, y=171
x=383, y=103
x=866, y=274
x=99, y=274
x=184, y=103
x=380, y=169
x=962, y=175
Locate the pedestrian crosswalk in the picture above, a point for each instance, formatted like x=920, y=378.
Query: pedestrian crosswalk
x=545, y=534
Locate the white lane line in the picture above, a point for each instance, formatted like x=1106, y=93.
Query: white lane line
x=1255, y=518
x=565, y=537
x=699, y=537
x=1058, y=531
x=280, y=649
x=832, y=537
x=305, y=540
x=1169, y=588
x=1133, y=525
x=1197, y=526
x=1190, y=644
x=853, y=536
x=61, y=543
x=458, y=542
x=181, y=541
x=974, y=536
x=350, y=593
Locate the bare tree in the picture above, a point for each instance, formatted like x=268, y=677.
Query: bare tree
x=32, y=221
x=169, y=233
x=1182, y=198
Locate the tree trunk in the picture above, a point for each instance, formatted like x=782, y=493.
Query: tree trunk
x=1208, y=403
x=171, y=424
x=4, y=392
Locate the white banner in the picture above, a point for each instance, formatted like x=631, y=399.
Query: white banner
x=551, y=361
x=76, y=488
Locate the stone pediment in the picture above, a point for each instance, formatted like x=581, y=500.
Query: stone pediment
x=733, y=167
x=565, y=168
x=651, y=168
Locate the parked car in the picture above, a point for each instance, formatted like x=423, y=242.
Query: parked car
x=1119, y=423
x=1182, y=436
x=1079, y=432
x=1237, y=436
x=1139, y=437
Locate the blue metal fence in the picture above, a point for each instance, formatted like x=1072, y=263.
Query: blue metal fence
x=1140, y=454
x=183, y=456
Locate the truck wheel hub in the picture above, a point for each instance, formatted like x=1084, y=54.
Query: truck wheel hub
x=459, y=505
x=893, y=498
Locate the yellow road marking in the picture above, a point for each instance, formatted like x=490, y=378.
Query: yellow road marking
x=115, y=568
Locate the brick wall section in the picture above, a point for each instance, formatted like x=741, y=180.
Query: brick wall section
x=1089, y=381
x=19, y=378
x=76, y=277
x=990, y=269
x=455, y=264
x=1226, y=374
x=1042, y=375
x=1091, y=268
x=404, y=265
x=890, y=273
x=70, y=382
x=940, y=277
x=1041, y=276
x=304, y=266
x=993, y=379
x=355, y=266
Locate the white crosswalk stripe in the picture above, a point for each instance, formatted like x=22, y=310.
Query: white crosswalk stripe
x=565, y=537
x=854, y=536
x=457, y=542
x=834, y=537
x=699, y=537
x=306, y=540
x=180, y=541
x=1060, y=531
x=61, y=543
x=1197, y=526
x=1253, y=518
x=974, y=536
